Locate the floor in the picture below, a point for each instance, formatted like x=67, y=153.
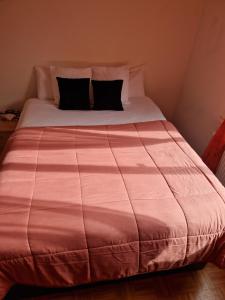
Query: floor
x=205, y=284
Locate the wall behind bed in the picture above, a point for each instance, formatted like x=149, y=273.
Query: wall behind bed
x=203, y=101
x=158, y=33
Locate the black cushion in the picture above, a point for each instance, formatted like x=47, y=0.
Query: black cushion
x=107, y=94
x=74, y=93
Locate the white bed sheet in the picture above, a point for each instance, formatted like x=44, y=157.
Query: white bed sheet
x=38, y=113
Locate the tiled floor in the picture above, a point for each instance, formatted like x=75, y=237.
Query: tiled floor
x=205, y=284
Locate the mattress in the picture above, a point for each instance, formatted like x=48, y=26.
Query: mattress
x=38, y=112
x=82, y=204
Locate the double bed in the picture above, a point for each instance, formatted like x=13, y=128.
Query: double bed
x=92, y=196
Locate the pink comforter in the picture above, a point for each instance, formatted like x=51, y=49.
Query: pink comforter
x=83, y=204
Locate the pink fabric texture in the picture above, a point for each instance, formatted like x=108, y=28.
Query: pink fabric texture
x=84, y=204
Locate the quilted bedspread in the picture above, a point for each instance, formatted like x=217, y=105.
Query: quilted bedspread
x=84, y=204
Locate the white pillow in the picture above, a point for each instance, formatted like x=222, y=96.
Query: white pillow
x=113, y=73
x=44, y=87
x=66, y=73
x=136, y=82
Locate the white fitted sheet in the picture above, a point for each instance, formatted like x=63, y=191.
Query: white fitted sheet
x=38, y=113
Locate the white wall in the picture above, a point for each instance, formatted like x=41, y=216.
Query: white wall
x=203, y=99
x=159, y=33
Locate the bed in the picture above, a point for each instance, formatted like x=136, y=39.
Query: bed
x=85, y=200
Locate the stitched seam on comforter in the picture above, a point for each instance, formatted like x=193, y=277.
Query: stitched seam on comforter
x=185, y=217
x=138, y=231
x=89, y=265
x=71, y=205
x=32, y=195
x=199, y=168
x=74, y=251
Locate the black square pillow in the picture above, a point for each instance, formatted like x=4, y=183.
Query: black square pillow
x=74, y=93
x=107, y=94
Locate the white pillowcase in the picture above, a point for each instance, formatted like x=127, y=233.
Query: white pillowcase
x=66, y=73
x=44, y=88
x=136, y=82
x=113, y=73
x=133, y=85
